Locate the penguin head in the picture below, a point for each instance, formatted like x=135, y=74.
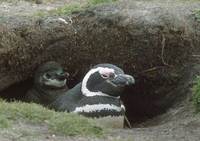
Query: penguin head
x=105, y=79
x=51, y=75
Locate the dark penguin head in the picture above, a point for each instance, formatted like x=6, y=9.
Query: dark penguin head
x=50, y=75
x=105, y=80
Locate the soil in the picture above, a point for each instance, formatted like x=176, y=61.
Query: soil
x=167, y=69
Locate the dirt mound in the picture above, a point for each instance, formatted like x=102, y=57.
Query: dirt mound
x=157, y=42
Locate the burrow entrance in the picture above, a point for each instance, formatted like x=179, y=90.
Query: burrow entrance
x=149, y=97
x=156, y=54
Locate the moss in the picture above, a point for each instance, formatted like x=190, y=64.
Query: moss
x=196, y=94
x=62, y=123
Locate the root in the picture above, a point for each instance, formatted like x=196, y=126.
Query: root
x=163, y=49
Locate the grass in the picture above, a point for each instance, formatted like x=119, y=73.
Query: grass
x=69, y=8
x=57, y=122
x=196, y=94
x=196, y=14
x=96, y=2
x=65, y=10
x=14, y=1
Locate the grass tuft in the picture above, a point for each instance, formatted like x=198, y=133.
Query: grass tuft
x=96, y=2
x=4, y=122
x=196, y=94
x=72, y=126
x=67, y=9
x=73, y=7
x=196, y=14
x=32, y=1
x=57, y=122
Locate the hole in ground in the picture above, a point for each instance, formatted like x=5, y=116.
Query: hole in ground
x=17, y=91
x=143, y=101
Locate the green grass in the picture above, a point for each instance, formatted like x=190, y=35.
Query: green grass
x=96, y=2
x=196, y=94
x=74, y=126
x=69, y=8
x=14, y=1
x=196, y=14
x=57, y=122
x=4, y=122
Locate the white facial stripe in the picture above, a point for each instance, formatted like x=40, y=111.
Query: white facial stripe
x=106, y=71
x=123, y=107
x=97, y=108
x=55, y=83
x=84, y=88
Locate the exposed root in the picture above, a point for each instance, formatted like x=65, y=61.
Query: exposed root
x=163, y=49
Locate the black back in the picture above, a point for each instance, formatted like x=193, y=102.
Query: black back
x=69, y=100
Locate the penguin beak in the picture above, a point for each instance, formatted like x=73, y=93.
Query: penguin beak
x=123, y=80
x=63, y=76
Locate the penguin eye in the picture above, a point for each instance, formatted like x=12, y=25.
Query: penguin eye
x=47, y=75
x=107, y=73
x=105, y=76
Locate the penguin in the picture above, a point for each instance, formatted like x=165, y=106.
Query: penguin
x=49, y=83
x=98, y=95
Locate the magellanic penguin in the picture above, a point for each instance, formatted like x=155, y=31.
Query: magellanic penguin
x=49, y=83
x=98, y=95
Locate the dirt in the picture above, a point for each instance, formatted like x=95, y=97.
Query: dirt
x=166, y=111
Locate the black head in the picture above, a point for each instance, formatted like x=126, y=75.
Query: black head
x=105, y=79
x=51, y=74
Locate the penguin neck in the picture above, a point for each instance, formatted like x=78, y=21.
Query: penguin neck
x=49, y=94
x=86, y=92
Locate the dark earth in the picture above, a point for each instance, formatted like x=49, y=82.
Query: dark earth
x=156, y=41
